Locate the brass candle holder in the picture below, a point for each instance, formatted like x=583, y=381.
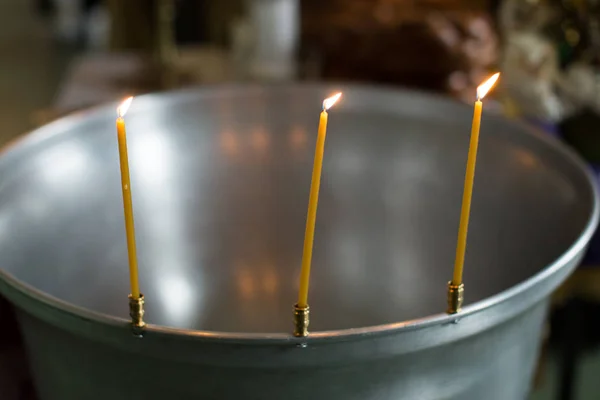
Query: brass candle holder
x=136, y=312
x=455, y=297
x=301, y=320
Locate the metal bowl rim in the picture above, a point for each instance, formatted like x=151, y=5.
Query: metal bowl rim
x=28, y=141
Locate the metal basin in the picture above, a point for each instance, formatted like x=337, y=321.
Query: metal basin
x=220, y=181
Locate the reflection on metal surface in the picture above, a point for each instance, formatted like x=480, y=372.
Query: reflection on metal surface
x=178, y=299
x=270, y=279
x=350, y=254
x=351, y=162
x=152, y=155
x=65, y=164
x=33, y=209
x=526, y=158
x=229, y=143
x=5, y=218
x=245, y=281
x=260, y=139
x=298, y=138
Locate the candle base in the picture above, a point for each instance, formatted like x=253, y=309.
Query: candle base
x=136, y=312
x=455, y=297
x=301, y=320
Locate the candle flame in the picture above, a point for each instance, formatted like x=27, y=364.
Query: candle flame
x=485, y=87
x=328, y=103
x=124, y=106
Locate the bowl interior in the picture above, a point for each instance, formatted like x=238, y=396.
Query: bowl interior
x=220, y=182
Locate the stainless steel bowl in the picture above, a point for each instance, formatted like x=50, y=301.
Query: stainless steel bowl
x=220, y=181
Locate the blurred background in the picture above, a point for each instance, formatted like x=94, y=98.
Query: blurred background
x=60, y=56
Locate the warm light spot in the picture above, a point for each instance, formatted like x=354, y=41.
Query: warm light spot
x=485, y=87
x=298, y=138
x=328, y=103
x=229, y=142
x=245, y=282
x=260, y=139
x=122, y=109
x=270, y=281
x=527, y=159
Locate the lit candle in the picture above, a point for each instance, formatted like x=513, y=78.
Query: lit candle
x=127, y=204
x=313, y=203
x=455, y=286
x=461, y=246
